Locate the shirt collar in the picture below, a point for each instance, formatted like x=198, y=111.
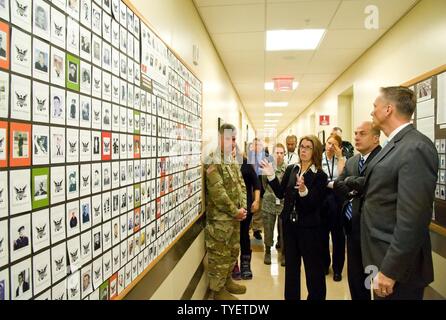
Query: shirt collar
x=365, y=156
x=396, y=131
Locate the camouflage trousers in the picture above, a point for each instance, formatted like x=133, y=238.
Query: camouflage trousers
x=223, y=246
x=256, y=222
x=269, y=222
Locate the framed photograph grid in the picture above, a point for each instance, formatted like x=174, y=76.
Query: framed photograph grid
x=99, y=168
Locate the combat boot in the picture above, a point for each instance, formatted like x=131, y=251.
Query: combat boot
x=267, y=258
x=223, y=294
x=233, y=287
x=246, y=272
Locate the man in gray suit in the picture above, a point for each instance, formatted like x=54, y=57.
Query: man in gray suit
x=367, y=144
x=398, y=199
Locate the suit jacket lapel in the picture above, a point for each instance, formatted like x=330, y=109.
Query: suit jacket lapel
x=386, y=150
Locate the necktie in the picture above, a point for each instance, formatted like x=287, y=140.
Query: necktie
x=361, y=165
x=349, y=208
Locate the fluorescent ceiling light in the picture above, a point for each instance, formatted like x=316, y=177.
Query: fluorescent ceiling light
x=276, y=104
x=271, y=121
x=269, y=86
x=270, y=125
x=287, y=40
x=273, y=114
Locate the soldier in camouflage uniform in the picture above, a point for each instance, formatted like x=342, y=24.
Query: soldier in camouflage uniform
x=225, y=208
x=271, y=206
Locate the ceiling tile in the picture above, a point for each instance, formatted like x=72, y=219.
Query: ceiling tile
x=298, y=15
x=240, y=18
x=351, y=13
x=350, y=38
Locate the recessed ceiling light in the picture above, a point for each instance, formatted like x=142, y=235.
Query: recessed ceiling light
x=271, y=121
x=286, y=40
x=270, y=125
x=277, y=114
x=276, y=104
x=269, y=86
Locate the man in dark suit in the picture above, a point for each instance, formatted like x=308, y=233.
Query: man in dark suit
x=367, y=144
x=398, y=199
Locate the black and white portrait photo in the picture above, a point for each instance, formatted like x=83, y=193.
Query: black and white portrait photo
x=57, y=67
x=85, y=37
x=41, y=19
x=20, y=233
x=41, y=140
x=41, y=60
x=85, y=15
x=72, y=109
x=4, y=11
x=21, y=286
x=72, y=72
x=57, y=138
x=57, y=100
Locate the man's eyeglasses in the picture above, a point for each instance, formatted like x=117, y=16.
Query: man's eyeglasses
x=305, y=148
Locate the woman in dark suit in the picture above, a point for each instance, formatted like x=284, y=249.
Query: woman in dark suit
x=303, y=188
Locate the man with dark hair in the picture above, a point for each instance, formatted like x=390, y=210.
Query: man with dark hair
x=225, y=208
x=399, y=188
x=347, y=148
x=367, y=144
x=291, y=156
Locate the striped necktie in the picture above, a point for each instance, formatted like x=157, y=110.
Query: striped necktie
x=349, y=207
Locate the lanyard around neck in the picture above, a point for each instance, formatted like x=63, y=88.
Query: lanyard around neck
x=330, y=172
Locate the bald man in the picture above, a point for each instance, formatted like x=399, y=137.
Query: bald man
x=367, y=144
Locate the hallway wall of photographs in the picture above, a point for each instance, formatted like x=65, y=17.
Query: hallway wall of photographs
x=100, y=145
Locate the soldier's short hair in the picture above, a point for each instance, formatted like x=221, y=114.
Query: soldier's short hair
x=404, y=99
x=226, y=126
x=291, y=137
x=278, y=145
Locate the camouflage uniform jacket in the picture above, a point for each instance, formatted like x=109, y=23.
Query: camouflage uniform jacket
x=225, y=188
x=269, y=199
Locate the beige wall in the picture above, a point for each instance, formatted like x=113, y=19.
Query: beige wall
x=415, y=45
x=178, y=23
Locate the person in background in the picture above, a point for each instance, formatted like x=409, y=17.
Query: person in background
x=225, y=209
x=303, y=189
x=291, y=156
x=272, y=206
x=256, y=155
x=347, y=148
x=333, y=164
x=367, y=144
x=253, y=204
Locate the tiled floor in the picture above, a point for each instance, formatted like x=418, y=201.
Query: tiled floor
x=268, y=281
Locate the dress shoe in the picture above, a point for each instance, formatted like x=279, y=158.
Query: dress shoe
x=337, y=277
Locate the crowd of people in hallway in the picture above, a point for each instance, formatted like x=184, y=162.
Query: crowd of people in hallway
x=375, y=205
